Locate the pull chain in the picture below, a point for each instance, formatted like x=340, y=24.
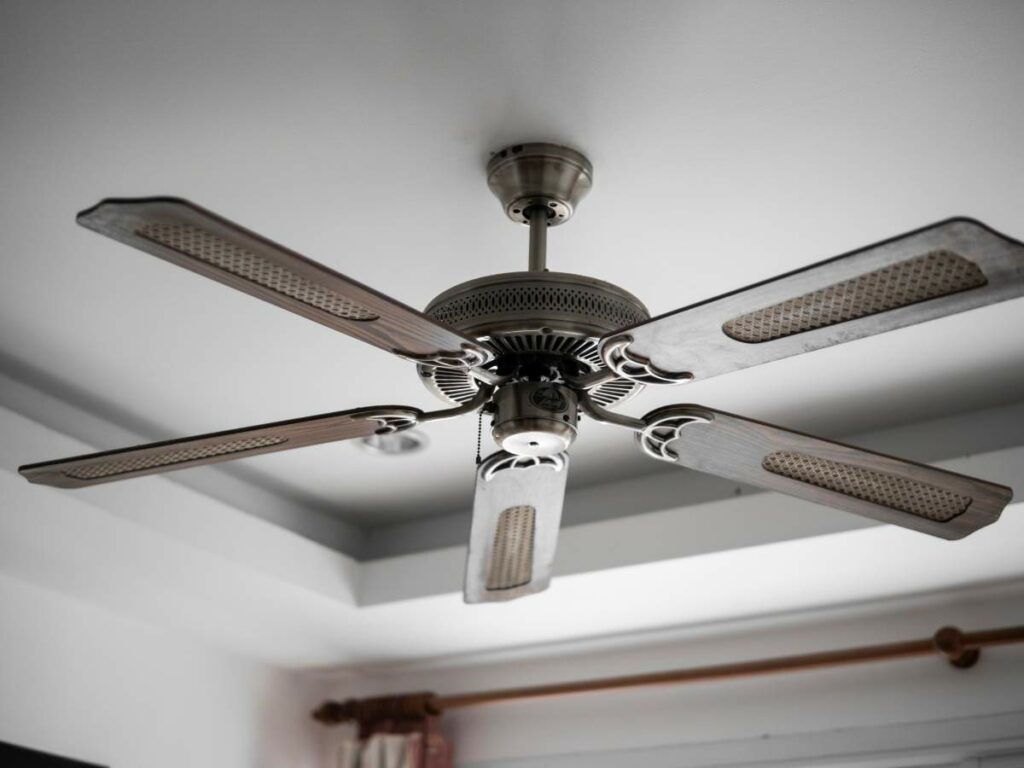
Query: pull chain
x=479, y=432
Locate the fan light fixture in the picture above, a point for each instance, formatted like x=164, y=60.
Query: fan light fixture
x=537, y=348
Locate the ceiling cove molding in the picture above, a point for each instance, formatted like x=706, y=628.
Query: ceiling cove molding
x=996, y=602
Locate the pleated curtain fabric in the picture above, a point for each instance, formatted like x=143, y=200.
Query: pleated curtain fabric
x=424, y=749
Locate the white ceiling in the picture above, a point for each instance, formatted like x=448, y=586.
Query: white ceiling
x=732, y=142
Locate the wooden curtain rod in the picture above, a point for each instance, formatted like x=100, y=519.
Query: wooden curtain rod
x=960, y=649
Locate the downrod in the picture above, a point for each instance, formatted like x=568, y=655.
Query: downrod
x=538, y=216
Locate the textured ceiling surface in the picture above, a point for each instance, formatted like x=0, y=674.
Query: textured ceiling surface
x=731, y=142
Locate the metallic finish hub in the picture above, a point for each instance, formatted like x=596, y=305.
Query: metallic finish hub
x=535, y=418
x=526, y=176
x=554, y=300
x=530, y=313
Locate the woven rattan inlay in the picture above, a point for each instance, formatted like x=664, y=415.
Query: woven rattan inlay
x=893, y=491
x=934, y=274
x=246, y=264
x=512, y=556
x=110, y=467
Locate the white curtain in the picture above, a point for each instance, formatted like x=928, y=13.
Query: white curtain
x=383, y=750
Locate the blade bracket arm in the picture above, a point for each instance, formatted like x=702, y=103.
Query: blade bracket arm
x=470, y=357
x=591, y=380
x=604, y=416
x=489, y=378
x=478, y=401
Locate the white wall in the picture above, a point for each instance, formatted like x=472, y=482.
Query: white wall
x=78, y=681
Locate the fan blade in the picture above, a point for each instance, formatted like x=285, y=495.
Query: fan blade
x=107, y=466
x=940, y=270
x=516, y=513
x=892, y=490
x=192, y=237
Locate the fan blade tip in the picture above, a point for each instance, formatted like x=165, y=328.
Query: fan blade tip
x=977, y=224
x=83, y=217
x=956, y=534
x=1004, y=496
x=47, y=479
x=30, y=471
x=86, y=214
x=969, y=221
x=964, y=219
x=1006, y=492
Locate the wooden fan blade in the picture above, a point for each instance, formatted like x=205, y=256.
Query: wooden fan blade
x=192, y=237
x=107, y=466
x=897, y=491
x=940, y=270
x=517, y=510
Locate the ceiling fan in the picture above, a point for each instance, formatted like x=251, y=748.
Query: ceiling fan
x=536, y=348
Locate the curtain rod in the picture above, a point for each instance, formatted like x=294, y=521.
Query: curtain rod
x=962, y=650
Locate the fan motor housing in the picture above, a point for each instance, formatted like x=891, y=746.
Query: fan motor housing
x=554, y=314
x=535, y=418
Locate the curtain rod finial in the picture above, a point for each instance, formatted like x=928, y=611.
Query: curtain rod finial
x=949, y=641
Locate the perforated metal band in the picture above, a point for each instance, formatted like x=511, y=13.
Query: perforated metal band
x=581, y=300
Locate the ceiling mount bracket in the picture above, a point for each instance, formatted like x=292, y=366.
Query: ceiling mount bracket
x=539, y=175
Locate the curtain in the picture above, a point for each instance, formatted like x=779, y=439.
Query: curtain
x=400, y=744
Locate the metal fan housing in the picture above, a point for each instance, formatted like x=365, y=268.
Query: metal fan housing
x=518, y=314
x=535, y=418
